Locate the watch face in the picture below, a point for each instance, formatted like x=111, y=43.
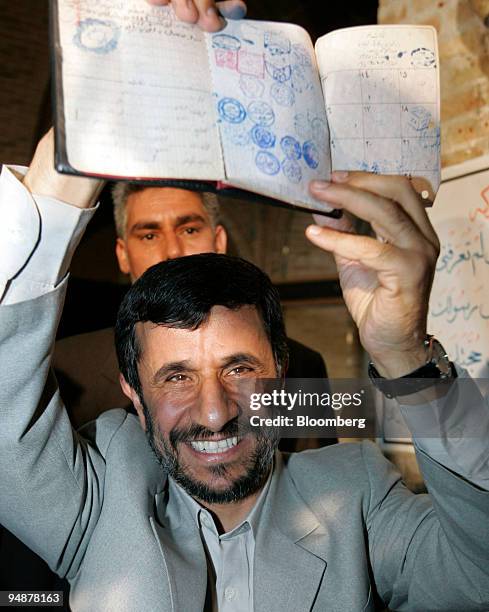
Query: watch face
x=440, y=358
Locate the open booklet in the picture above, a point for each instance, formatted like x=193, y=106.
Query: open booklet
x=141, y=95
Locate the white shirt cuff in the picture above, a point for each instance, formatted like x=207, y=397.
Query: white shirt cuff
x=38, y=236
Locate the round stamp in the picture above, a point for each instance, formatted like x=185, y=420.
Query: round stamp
x=311, y=154
x=319, y=130
x=236, y=134
x=282, y=94
x=225, y=41
x=292, y=170
x=291, y=148
x=231, y=110
x=423, y=57
x=262, y=137
x=97, y=36
x=279, y=73
x=251, y=86
x=261, y=113
x=267, y=163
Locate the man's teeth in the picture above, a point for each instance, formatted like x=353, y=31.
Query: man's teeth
x=211, y=446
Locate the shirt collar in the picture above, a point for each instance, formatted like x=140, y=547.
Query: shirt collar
x=179, y=500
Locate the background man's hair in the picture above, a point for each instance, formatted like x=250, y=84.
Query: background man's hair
x=180, y=293
x=123, y=189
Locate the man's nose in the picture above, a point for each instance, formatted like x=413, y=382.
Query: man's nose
x=173, y=246
x=215, y=407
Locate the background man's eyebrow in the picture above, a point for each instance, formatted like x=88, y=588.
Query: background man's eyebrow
x=145, y=225
x=171, y=368
x=183, y=219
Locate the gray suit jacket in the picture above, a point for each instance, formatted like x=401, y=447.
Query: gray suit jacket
x=338, y=526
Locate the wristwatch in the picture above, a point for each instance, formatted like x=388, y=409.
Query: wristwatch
x=438, y=367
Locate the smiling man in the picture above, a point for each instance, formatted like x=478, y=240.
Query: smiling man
x=186, y=358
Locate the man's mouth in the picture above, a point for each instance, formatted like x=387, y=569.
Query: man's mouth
x=214, y=446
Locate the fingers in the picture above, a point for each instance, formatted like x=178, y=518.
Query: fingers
x=232, y=9
x=368, y=251
x=387, y=203
x=399, y=189
x=205, y=13
x=343, y=224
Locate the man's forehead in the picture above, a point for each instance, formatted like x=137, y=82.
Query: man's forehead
x=222, y=326
x=165, y=201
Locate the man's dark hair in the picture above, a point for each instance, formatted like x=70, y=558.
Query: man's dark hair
x=180, y=293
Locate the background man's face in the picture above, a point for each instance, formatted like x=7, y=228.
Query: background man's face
x=196, y=402
x=165, y=223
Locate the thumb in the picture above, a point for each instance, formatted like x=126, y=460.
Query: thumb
x=232, y=9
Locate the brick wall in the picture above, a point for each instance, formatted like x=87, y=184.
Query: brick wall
x=464, y=63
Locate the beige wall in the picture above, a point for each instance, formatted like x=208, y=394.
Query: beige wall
x=464, y=63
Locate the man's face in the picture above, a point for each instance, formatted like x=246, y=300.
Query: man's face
x=195, y=387
x=165, y=223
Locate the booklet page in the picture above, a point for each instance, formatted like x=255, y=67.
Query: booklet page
x=137, y=92
x=381, y=88
x=271, y=110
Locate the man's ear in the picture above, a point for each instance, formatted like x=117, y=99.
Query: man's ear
x=121, y=253
x=220, y=239
x=134, y=397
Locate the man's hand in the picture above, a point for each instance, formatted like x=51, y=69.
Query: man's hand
x=42, y=178
x=386, y=281
x=205, y=13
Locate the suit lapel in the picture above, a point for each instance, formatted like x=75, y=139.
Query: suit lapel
x=289, y=568
x=184, y=557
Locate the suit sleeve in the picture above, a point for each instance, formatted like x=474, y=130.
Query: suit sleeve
x=51, y=480
x=428, y=552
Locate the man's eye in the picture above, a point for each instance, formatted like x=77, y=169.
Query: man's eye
x=178, y=378
x=240, y=371
x=191, y=230
x=148, y=237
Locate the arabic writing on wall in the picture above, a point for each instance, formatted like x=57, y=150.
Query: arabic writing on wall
x=459, y=308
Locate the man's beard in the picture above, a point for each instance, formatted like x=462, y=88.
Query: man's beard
x=257, y=466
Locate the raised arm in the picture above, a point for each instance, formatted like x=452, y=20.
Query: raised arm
x=426, y=552
x=48, y=476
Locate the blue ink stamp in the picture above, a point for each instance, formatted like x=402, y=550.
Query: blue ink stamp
x=251, y=86
x=311, y=154
x=282, y=94
x=267, y=163
x=281, y=74
x=292, y=170
x=263, y=137
x=419, y=118
x=97, y=36
x=320, y=132
x=299, y=80
x=300, y=56
x=236, y=134
x=225, y=41
x=423, y=58
x=231, y=110
x=276, y=43
x=302, y=125
x=291, y=148
x=261, y=113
